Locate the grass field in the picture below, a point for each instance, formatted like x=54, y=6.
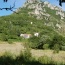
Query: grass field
x=14, y=48
x=17, y=47
x=60, y=57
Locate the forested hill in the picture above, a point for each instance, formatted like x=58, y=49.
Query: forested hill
x=35, y=16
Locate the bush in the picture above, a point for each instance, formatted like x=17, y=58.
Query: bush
x=34, y=42
x=10, y=41
x=57, y=39
x=4, y=37
x=27, y=55
x=63, y=48
x=56, y=48
x=45, y=60
x=44, y=40
x=57, y=43
x=46, y=46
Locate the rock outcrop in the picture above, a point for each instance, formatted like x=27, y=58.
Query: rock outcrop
x=39, y=8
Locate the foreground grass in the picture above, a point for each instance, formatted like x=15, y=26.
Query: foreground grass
x=27, y=59
x=10, y=55
x=20, y=60
x=58, y=57
x=14, y=48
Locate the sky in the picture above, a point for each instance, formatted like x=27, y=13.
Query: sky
x=56, y=2
x=19, y=3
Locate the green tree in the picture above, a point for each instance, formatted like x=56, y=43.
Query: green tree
x=57, y=42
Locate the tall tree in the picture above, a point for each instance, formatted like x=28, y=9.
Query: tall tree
x=5, y=0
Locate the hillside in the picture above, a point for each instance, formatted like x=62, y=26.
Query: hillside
x=34, y=36
x=35, y=17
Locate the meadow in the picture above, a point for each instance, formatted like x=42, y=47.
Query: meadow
x=18, y=54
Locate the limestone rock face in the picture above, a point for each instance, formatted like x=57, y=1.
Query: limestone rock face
x=61, y=14
x=32, y=1
x=39, y=9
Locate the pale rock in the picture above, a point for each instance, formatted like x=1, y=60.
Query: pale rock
x=46, y=3
x=36, y=34
x=31, y=23
x=61, y=14
x=57, y=25
x=62, y=17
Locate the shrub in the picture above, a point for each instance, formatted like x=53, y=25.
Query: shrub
x=63, y=48
x=34, y=42
x=45, y=60
x=57, y=43
x=10, y=41
x=56, y=48
x=27, y=55
x=4, y=37
x=46, y=46
x=44, y=40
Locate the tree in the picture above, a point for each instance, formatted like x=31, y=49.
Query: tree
x=57, y=41
x=61, y=1
x=5, y=0
x=44, y=40
x=10, y=8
